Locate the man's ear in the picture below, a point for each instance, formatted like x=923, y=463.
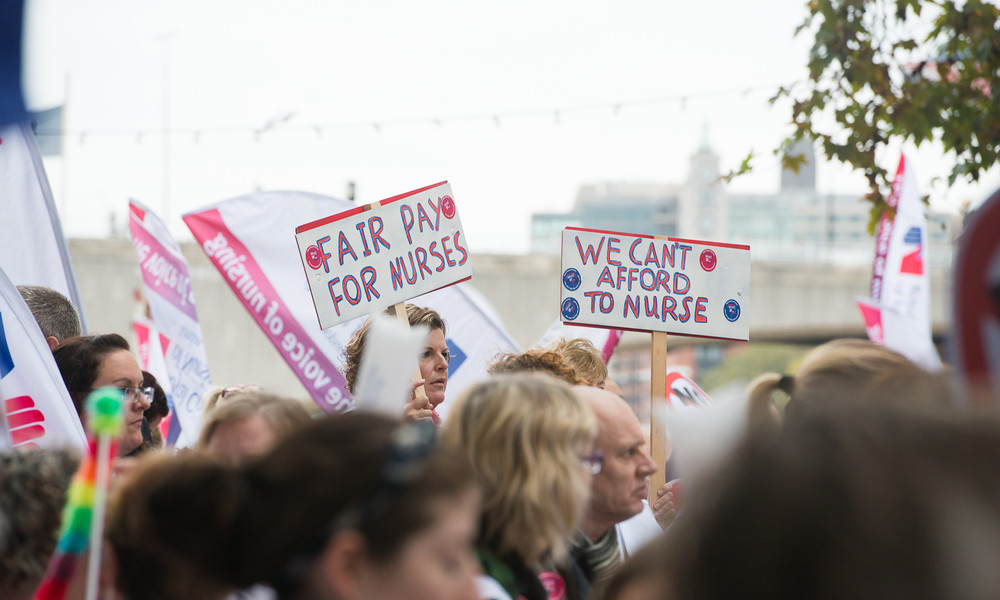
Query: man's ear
x=342, y=564
x=52, y=341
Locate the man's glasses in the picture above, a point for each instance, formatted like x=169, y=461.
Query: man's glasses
x=594, y=462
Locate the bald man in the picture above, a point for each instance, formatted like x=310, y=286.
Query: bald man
x=619, y=491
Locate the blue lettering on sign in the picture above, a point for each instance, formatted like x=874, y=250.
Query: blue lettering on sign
x=457, y=357
x=6, y=361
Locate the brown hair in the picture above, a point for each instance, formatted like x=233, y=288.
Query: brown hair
x=415, y=315
x=79, y=359
x=282, y=414
x=874, y=500
x=584, y=357
x=212, y=528
x=537, y=360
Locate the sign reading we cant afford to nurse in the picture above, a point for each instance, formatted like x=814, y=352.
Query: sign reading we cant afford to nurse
x=361, y=261
x=645, y=283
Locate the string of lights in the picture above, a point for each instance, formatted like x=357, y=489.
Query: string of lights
x=497, y=118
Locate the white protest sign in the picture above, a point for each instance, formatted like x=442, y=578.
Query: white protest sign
x=383, y=386
x=638, y=282
x=358, y=262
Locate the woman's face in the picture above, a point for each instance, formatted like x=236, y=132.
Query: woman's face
x=437, y=563
x=434, y=367
x=121, y=370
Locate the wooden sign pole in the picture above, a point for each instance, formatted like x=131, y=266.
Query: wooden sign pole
x=657, y=428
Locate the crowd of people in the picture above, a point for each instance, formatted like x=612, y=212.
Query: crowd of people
x=859, y=476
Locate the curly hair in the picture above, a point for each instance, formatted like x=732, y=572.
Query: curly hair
x=537, y=360
x=584, y=357
x=33, y=484
x=523, y=435
x=416, y=315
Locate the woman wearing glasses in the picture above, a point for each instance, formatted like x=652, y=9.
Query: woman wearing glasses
x=95, y=361
x=531, y=440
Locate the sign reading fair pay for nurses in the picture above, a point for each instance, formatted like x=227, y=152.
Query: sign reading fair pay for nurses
x=646, y=283
x=361, y=261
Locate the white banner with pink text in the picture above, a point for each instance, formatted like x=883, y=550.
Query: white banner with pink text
x=251, y=241
x=171, y=302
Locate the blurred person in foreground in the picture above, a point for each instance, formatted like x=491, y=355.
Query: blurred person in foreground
x=865, y=499
x=33, y=485
x=249, y=425
x=351, y=507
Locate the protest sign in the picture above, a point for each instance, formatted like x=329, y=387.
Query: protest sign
x=976, y=310
x=240, y=231
x=171, y=302
x=639, y=282
x=684, y=391
x=658, y=284
x=361, y=261
x=34, y=403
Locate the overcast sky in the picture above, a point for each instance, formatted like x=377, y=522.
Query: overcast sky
x=515, y=103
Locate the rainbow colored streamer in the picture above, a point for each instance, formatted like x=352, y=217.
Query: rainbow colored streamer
x=86, y=495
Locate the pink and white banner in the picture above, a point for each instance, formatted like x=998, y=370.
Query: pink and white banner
x=149, y=348
x=171, y=302
x=900, y=283
x=32, y=246
x=251, y=241
x=36, y=408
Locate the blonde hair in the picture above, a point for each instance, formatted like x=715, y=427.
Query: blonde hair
x=842, y=370
x=523, y=435
x=282, y=414
x=584, y=357
x=415, y=315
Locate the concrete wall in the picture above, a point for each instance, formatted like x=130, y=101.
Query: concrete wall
x=790, y=301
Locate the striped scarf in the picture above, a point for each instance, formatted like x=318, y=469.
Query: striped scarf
x=599, y=559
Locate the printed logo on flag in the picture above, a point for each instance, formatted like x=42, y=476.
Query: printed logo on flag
x=24, y=421
x=913, y=261
x=6, y=360
x=457, y=357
